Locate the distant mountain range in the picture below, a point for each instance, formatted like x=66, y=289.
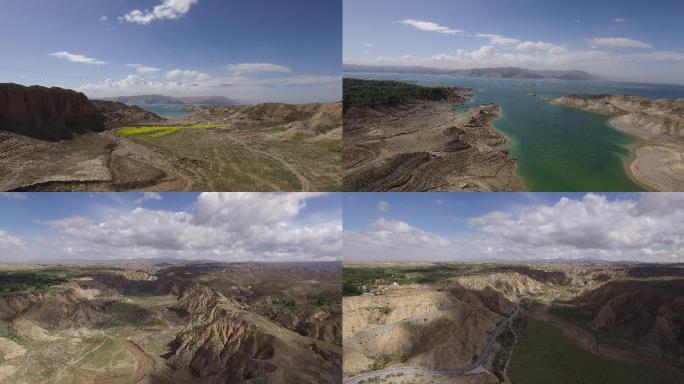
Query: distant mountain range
x=501, y=72
x=161, y=99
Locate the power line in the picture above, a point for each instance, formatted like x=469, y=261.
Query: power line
x=48, y=74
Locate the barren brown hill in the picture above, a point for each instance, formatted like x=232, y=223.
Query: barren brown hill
x=410, y=140
x=47, y=113
x=161, y=324
x=226, y=343
x=313, y=118
x=437, y=326
x=647, y=314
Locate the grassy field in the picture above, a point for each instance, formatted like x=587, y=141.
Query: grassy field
x=369, y=93
x=545, y=355
x=224, y=163
x=156, y=131
x=573, y=314
x=261, y=156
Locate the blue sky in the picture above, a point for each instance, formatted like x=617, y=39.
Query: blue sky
x=218, y=226
x=513, y=226
x=296, y=47
x=620, y=40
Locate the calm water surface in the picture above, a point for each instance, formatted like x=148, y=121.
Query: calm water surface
x=169, y=111
x=557, y=148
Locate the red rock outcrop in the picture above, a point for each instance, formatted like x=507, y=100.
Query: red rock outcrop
x=47, y=113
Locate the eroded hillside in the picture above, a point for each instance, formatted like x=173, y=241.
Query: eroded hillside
x=496, y=323
x=59, y=140
x=170, y=324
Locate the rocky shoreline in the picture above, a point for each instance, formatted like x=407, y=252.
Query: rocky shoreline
x=657, y=161
x=424, y=145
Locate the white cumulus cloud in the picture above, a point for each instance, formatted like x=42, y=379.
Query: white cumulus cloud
x=148, y=196
x=186, y=75
x=252, y=68
x=394, y=239
x=498, y=39
x=223, y=226
x=429, y=26
x=540, y=46
x=647, y=228
x=383, y=206
x=7, y=241
x=167, y=10
x=144, y=69
x=618, y=42
x=77, y=58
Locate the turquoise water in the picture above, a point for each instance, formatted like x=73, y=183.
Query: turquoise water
x=557, y=148
x=169, y=111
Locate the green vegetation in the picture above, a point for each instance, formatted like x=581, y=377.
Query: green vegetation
x=39, y=280
x=320, y=301
x=573, y=314
x=369, y=93
x=102, y=355
x=275, y=126
x=153, y=132
x=355, y=277
x=228, y=164
x=290, y=304
x=34, y=280
x=386, y=310
x=7, y=331
x=506, y=339
x=131, y=315
x=380, y=362
x=544, y=352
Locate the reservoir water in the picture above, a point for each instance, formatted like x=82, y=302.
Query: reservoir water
x=169, y=111
x=557, y=148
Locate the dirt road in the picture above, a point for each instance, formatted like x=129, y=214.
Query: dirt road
x=144, y=363
x=75, y=373
x=175, y=180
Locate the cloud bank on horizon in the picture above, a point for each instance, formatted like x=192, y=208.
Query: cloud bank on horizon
x=645, y=227
x=617, y=40
x=225, y=227
x=264, y=51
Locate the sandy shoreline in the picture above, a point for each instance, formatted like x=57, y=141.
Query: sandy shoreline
x=656, y=161
x=653, y=164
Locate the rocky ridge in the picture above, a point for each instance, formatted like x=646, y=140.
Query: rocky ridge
x=47, y=113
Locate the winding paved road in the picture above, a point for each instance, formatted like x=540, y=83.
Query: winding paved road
x=446, y=372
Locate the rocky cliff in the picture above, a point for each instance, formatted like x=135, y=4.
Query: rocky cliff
x=47, y=113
